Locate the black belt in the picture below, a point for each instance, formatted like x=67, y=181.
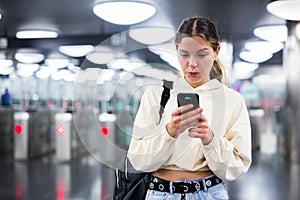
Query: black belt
x=162, y=185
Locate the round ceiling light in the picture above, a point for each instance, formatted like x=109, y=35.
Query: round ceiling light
x=152, y=35
x=5, y=63
x=264, y=46
x=76, y=50
x=287, y=9
x=273, y=33
x=35, y=34
x=100, y=55
x=29, y=57
x=255, y=57
x=124, y=12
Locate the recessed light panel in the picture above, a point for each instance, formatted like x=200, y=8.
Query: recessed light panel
x=29, y=58
x=76, y=50
x=273, y=33
x=5, y=63
x=124, y=12
x=255, y=57
x=264, y=46
x=152, y=35
x=285, y=9
x=35, y=34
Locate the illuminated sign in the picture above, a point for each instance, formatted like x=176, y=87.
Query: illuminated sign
x=65, y=104
x=18, y=128
x=60, y=130
x=104, y=130
x=78, y=105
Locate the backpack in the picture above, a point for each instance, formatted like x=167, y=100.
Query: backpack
x=130, y=183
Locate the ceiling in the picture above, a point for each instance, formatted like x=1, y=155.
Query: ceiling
x=77, y=24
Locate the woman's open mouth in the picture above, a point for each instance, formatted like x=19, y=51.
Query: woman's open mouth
x=193, y=74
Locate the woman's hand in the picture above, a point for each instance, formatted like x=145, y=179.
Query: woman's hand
x=202, y=131
x=180, y=122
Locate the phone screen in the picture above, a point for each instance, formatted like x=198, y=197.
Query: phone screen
x=188, y=98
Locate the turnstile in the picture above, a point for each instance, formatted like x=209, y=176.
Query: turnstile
x=63, y=136
x=68, y=143
x=32, y=134
x=110, y=154
x=21, y=137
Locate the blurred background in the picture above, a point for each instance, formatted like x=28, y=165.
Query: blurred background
x=72, y=73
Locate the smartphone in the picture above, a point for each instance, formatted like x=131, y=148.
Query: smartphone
x=188, y=98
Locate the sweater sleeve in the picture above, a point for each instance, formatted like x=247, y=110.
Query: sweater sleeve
x=229, y=154
x=151, y=145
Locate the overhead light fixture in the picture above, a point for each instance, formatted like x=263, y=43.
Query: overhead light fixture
x=165, y=47
x=124, y=12
x=26, y=70
x=119, y=63
x=264, y=46
x=285, y=9
x=45, y=72
x=152, y=35
x=36, y=34
x=101, y=55
x=67, y=75
x=273, y=33
x=29, y=58
x=5, y=63
x=76, y=50
x=167, y=52
x=28, y=67
x=7, y=70
x=0, y=16
x=57, y=63
x=255, y=57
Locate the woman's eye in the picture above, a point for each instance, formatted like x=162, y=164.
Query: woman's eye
x=201, y=55
x=184, y=55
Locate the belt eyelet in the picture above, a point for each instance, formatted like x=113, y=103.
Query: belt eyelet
x=151, y=186
x=208, y=183
x=185, y=188
x=198, y=186
x=173, y=188
x=161, y=187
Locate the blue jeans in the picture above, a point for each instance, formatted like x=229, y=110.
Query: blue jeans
x=217, y=192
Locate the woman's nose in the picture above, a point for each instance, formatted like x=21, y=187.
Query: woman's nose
x=192, y=62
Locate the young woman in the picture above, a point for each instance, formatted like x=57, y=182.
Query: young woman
x=190, y=153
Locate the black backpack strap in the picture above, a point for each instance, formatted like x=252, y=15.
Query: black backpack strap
x=167, y=85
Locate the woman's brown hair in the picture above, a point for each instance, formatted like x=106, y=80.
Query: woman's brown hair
x=199, y=26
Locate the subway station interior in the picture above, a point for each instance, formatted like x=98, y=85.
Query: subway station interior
x=68, y=99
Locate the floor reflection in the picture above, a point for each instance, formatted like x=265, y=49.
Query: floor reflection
x=270, y=177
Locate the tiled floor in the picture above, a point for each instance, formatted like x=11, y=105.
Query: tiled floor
x=269, y=178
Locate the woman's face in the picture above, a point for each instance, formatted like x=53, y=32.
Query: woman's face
x=196, y=58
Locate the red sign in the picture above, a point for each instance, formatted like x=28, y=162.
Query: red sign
x=104, y=130
x=18, y=128
x=60, y=130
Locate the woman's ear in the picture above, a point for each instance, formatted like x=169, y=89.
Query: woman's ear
x=217, y=52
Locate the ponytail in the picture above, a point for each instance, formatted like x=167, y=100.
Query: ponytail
x=217, y=72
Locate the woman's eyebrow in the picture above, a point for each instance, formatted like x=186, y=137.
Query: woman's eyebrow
x=185, y=51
